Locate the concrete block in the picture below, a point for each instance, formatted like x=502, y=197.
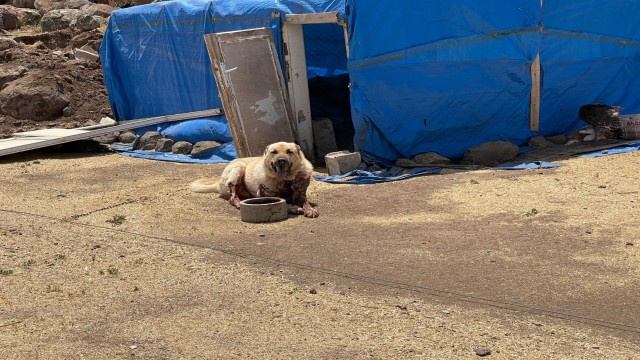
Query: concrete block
x=324, y=137
x=341, y=162
x=86, y=55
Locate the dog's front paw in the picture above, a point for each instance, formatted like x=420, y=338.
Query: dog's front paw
x=311, y=213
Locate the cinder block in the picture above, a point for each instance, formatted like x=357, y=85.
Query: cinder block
x=341, y=162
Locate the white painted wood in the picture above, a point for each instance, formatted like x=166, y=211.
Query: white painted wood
x=298, y=85
x=252, y=88
x=43, y=138
x=53, y=132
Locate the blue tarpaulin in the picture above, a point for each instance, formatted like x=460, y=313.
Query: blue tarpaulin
x=442, y=75
x=445, y=76
x=155, y=61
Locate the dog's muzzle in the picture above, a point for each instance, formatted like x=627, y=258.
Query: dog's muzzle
x=281, y=167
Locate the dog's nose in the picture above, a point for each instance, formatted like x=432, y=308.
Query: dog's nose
x=281, y=161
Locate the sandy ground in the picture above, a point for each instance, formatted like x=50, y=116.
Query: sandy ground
x=108, y=257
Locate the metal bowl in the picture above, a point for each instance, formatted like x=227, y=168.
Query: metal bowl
x=264, y=209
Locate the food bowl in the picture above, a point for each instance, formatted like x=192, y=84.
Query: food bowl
x=264, y=209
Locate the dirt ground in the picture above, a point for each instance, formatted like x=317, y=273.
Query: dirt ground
x=106, y=257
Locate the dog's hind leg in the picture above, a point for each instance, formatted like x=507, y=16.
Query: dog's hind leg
x=234, y=181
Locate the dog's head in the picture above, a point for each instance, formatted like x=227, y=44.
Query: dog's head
x=283, y=160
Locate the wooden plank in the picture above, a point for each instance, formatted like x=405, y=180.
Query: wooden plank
x=346, y=38
x=298, y=86
x=251, y=85
x=19, y=144
x=534, y=111
x=565, y=151
x=318, y=18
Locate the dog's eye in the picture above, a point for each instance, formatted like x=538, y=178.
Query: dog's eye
x=289, y=152
x=274, y=152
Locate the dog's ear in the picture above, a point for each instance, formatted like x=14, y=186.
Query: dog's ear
x=266, y=150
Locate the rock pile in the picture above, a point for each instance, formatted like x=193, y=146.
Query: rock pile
x=43, y=83
x=154, y=141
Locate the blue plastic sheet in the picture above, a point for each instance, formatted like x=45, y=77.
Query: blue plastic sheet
x=155, y=61
x=442, y=75
x=445, y=76
x=527, y=165
x=613, y=151
x=221, y=154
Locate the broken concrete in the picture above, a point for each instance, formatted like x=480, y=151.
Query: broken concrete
x=341, y=162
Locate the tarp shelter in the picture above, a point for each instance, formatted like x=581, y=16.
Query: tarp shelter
x=442, y=75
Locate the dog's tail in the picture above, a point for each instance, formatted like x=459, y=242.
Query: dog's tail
x=205, y=185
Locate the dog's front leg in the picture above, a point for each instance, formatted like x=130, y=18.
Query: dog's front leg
x=299, y=197
x=234, y=199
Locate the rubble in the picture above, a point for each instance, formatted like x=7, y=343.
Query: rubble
x=42, y=83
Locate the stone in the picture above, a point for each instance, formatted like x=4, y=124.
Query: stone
x=404, y=162
x=107, y=121
x=9, y=19
x=147, y=141
x=102, y=10
x=59, y=19
x=557, y=139
x=203, y=146
x=29, y=16
x=431, y=158
x=109, y=138
x=324, y=137
x=182, y=147
x=539, y=142
x=483, y=352
x=68, y=111
x=490, y=153
x=164, y=145
x=86, y=22
x=33, y=97
x=24, y=4
x=341, y=162
x=127, y=3
x=44, y=6
x=10, y=72
x=127, y=137
x=7, y=43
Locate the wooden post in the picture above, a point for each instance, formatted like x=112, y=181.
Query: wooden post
x=534, y=111
x=298, y=85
